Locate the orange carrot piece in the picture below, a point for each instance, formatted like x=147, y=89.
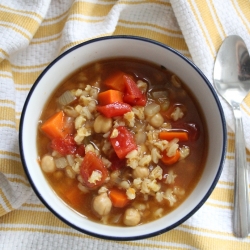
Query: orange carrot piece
x=74, y=196
x=115, y=81
x=170, y=160
x=110, y=96
x=170, y=135
x=118, y=198
x=54, y=126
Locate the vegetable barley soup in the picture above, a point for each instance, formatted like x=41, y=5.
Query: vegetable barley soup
x=122, y=142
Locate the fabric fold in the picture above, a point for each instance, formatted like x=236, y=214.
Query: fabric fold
x=19, y=23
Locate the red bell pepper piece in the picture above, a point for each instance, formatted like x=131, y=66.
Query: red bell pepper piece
x=132, y=94
x=123, y=143
x=114, y=109
x=91, y=162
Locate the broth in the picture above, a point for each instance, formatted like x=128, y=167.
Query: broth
x=111, y=184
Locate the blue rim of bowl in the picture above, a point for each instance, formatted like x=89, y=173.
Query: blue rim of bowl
x=155, y=233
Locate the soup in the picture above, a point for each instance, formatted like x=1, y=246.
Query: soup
x=122, y=141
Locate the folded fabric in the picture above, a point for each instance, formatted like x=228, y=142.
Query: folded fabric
x=33, y=33
x=204, y=25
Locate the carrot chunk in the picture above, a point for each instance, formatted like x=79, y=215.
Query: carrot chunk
x=118, y=198
x=55, y=127
x=115, y=81
x=170, y=160
x=110, y=96
x=73, y=195
x=170, y=135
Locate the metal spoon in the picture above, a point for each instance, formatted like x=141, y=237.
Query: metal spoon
x=232, y=81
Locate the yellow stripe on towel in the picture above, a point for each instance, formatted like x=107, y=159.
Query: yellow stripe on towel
x=242, y=7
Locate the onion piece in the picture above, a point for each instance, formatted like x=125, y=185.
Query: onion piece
x=116, y=218
x=140, y=138
x=69, y=123
x=66, y=98
x=152, y=109
x=165, y=105
x=160, y=94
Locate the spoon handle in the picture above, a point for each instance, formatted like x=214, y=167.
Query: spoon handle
x=241, y=196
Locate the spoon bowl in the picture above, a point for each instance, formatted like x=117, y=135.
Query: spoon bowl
x=232, y=81
x=232, y=70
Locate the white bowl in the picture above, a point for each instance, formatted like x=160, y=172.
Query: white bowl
x=123, y=46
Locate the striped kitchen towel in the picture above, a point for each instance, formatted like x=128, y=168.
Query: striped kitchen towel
x=33, y=33
x=204, y=25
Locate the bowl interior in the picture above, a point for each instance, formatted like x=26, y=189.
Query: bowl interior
x=111, y=47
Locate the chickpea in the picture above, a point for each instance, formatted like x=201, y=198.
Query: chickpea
x=102, y=204
x=140, y=172
x=102, y=124
x=131, y=217
x=47, y=164
x=156, y=120
x=58, y=175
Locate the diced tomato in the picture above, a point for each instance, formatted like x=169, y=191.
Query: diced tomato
x=80, y=150
x=132, y=94
x=116, y=163
x=123, y=143
x=91, y=162
x=192, y=128
x=114, y=109
x=142, y=100
x=194, y=131
x=65, y=145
